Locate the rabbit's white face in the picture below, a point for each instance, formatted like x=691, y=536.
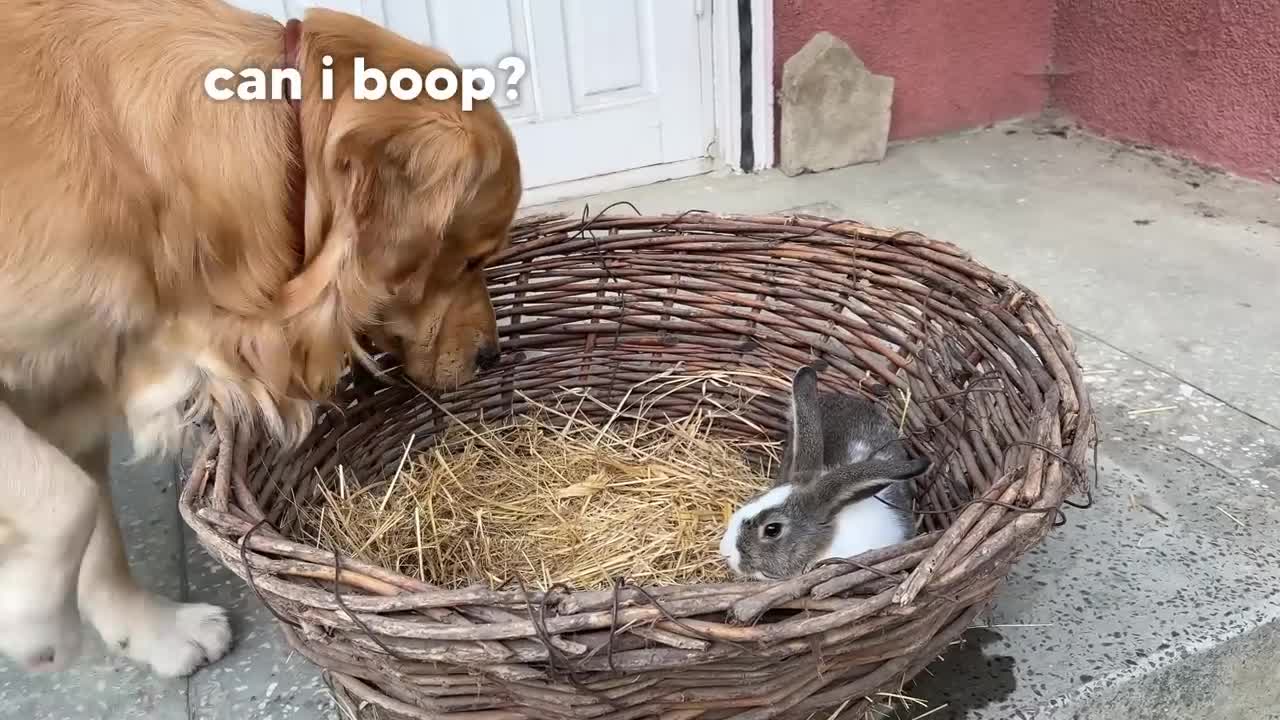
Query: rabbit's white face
x=776, y=535
x=733, y=543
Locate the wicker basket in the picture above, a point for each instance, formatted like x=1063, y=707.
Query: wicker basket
x=995, y=397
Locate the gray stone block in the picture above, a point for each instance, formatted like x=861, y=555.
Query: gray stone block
x=835, y=112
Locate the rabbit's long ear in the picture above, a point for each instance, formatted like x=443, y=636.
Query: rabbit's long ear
x=847, y=484
x=804, y=457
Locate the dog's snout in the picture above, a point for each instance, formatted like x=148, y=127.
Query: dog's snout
x=488, y=357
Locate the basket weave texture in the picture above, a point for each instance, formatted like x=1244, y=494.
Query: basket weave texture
x=991, y=389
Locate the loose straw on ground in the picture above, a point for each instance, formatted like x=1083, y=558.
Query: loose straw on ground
x=554, y=497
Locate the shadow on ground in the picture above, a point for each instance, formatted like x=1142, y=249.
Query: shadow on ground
x=968, y=677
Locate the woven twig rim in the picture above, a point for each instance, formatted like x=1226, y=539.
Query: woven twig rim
x=993, y=392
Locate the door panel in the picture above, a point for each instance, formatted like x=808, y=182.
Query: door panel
x=609, y=85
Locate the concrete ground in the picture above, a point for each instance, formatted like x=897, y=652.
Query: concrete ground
x=1161, y=601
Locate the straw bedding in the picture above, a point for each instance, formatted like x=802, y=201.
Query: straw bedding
x=554, y=498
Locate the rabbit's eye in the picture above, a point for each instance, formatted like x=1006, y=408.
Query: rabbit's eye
x=772, y=530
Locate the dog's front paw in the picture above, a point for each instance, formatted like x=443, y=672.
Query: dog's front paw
x=200, y=634
x=175, y=639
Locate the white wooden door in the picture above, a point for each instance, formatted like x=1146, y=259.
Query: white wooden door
x=609, y=86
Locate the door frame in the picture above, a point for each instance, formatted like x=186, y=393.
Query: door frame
x=744, y=83
x=741, y=115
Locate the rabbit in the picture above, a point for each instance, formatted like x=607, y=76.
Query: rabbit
x=842, y=454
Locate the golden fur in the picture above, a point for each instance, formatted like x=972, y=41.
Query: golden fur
x=148, y=259
x=142, y=217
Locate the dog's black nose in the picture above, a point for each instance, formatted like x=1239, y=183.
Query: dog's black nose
x=488, y=357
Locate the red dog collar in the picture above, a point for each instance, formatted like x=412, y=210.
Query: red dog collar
x=298, y=173
x=292, y=36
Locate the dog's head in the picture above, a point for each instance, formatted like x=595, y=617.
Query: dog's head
x=439, y=319
x=442, y=190
x=407, y=200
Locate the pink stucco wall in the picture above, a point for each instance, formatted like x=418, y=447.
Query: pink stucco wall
x=956, y=63
x=1198, y=77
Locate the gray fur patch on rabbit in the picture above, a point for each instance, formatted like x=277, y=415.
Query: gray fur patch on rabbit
x=842, y=454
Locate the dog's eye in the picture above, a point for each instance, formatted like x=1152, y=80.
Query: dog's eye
x=474, y=264
x=772, y=530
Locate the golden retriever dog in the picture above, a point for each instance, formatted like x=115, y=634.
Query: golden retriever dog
x=164, y=253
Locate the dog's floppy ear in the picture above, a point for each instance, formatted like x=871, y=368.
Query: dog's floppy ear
x=390, y=182
x=337, y=293
x=340, y=194
x=444, y=162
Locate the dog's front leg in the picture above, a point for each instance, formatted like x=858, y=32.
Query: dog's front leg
x=47, y=508
x=173, y=638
